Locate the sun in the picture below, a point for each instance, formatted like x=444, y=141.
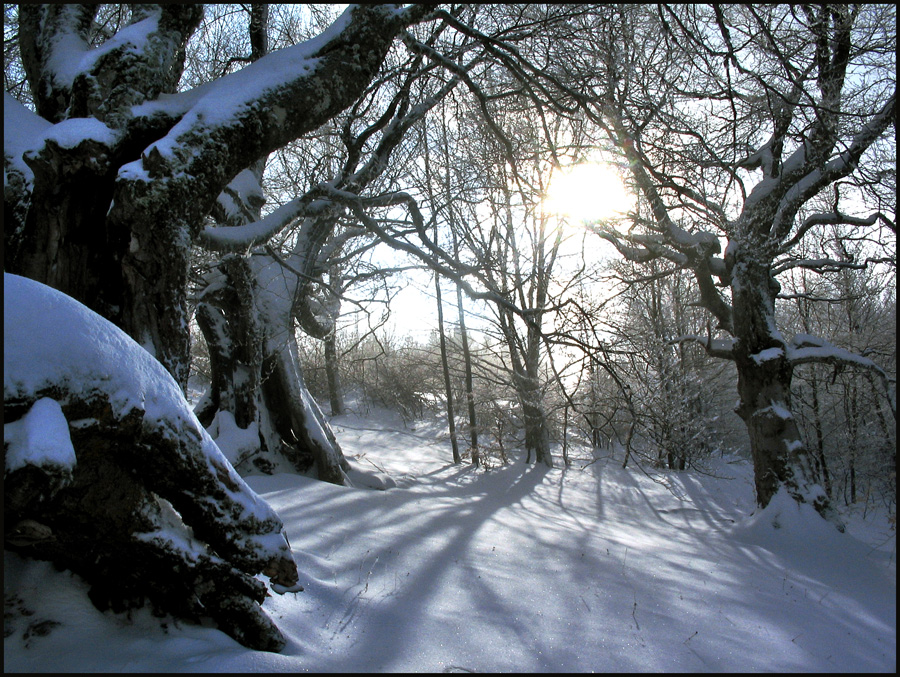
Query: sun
x=588, y=192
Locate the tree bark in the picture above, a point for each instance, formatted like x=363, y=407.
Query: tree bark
x=333, y=375
x=445, y=368
x=780, y=457
x=470, y=387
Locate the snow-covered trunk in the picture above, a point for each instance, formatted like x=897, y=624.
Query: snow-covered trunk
x=305, y=435
x=229, y=323
x=257, y=377
x=297, y=417
x=780, y=457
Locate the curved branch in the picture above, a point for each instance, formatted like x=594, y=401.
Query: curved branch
x=806, y=349
x=721, y=348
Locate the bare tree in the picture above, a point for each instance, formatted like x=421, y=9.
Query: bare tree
x=733, y=121
x=109, y=183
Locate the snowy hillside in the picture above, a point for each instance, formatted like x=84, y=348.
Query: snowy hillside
x=457, y=570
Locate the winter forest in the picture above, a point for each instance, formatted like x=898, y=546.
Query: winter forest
x=457, y=338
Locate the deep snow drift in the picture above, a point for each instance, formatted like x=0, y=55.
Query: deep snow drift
x=514, y=569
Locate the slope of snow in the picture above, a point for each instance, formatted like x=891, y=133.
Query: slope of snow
x=457, y=570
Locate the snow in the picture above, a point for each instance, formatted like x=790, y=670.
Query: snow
x=21, y=130
x=806, y=341
x=133, y=39
x=590, y=568
x=258, y=231
x=761, y=191
x=778, y=410
x=50, y=341
x=768, y=354
x=248, y=191
x=234, y=441
x=134, y=171
x=825, y=352
x=49, y=338
x=174, y=532
x=72, y=132
x=39, y=438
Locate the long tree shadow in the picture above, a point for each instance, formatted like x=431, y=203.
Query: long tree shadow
x=382, y=521
x=418, y=541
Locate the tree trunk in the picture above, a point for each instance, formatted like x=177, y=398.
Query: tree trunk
x=445, y=367
x=333, y=376
x=332, y=367
x=470, y=390
x=780, y=458
x=299, y=421
x=254, y=341
x=528, y=390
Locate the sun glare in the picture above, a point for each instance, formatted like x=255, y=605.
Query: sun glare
x=588, y=192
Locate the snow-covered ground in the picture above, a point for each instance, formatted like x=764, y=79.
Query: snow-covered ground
x=514, y=569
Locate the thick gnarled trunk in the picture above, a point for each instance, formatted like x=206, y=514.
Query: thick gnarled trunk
x=109, y=474
x=257, y=376
x=780, y=457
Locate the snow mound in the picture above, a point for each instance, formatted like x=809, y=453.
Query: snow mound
x=371, y=478
x=40, y=438
x=55, y=346
x=785, y=520
x=52, y=341
x=235, y=442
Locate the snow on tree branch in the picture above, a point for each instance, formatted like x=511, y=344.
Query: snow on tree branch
x=22, y=130
x=826, y=265
x=815, y=177
x=714, y=347
x=246, y=115
x=804, y=349
x=239, y=238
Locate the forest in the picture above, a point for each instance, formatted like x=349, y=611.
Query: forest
x=570, y=246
